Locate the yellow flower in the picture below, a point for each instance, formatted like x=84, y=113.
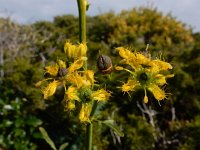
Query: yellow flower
x=75, y=51
x=70, y=50
x=131, y=85
x=158, y=93
x=81, y=50
x=145, y=73
x=52, y=70
x=71, y=94
x=77, y=64
x=133, y=59
x=160, y=79
x=70, y=105
x=50, y=89
x=162, y=65
x=88, y=78
x=84, y=80
x=84, y=115
x=100, y=95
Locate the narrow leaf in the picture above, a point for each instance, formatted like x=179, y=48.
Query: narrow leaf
x=110, y=124
x=47, y=138
x=63, y=146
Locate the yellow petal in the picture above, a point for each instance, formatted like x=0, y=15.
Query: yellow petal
x=75, y=79
x=38, y=83
x=82, y=49
x=61, y=64
x=76, y=65
x=141, y=59
x=119, y=68
x=125, y=53
x=130, y=85
x=162, y=65
x=70, y=105
x=70, y=50
x=84, y=115
x=100, y=95
x=71, y=94
x=158, y=93
x=89, y=77
x=160, y=79
x=50, y=89
x=52, y=70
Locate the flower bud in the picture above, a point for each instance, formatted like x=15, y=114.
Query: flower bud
x=70, y=50
x=81, y=50
x=104, y=64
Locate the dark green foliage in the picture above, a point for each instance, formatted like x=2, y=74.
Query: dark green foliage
x=18, y=127
x=174, y=125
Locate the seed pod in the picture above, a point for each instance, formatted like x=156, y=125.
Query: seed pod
x=62, y=72
x=104, y=64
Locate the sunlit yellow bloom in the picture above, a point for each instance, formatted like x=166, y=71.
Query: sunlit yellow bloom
x=145, y=73
x=71, y=94
x=61, y=64
x=158, y=93
x=75, y=51
x=124, y=53
x=140, y=59
x=70, y=50
x=133, y=59
x=81, y=50
x=100, y=95
x=131, y=85
x=162, y=65
x=52, y=70
x=70, y=105
x=88, y=78
x=84, y=115
x=50, y=89
x=77, y=64
x=160, y=79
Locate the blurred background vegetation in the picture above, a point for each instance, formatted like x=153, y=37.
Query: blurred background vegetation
x=26, y=49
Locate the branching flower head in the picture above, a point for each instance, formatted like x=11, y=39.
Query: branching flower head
x=145, y=73
x=77, y=81
x=83, y=91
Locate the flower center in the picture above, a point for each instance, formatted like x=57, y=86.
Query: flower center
x=143, y=78
x=85, y=94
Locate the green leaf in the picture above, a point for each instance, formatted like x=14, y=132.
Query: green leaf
x=33, y=121
x=110, y=124
x=47, y=138
x=63, y=146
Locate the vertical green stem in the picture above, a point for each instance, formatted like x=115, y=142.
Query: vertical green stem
x=89, y=135
x=82, y=4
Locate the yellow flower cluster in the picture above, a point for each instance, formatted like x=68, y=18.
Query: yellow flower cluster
x=78, y=83
x=145, y=73
x=75, y=51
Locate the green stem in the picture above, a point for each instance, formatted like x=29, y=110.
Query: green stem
x=82, y=4
x=89, y=134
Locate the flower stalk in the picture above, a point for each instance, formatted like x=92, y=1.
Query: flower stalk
x=82, y=6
